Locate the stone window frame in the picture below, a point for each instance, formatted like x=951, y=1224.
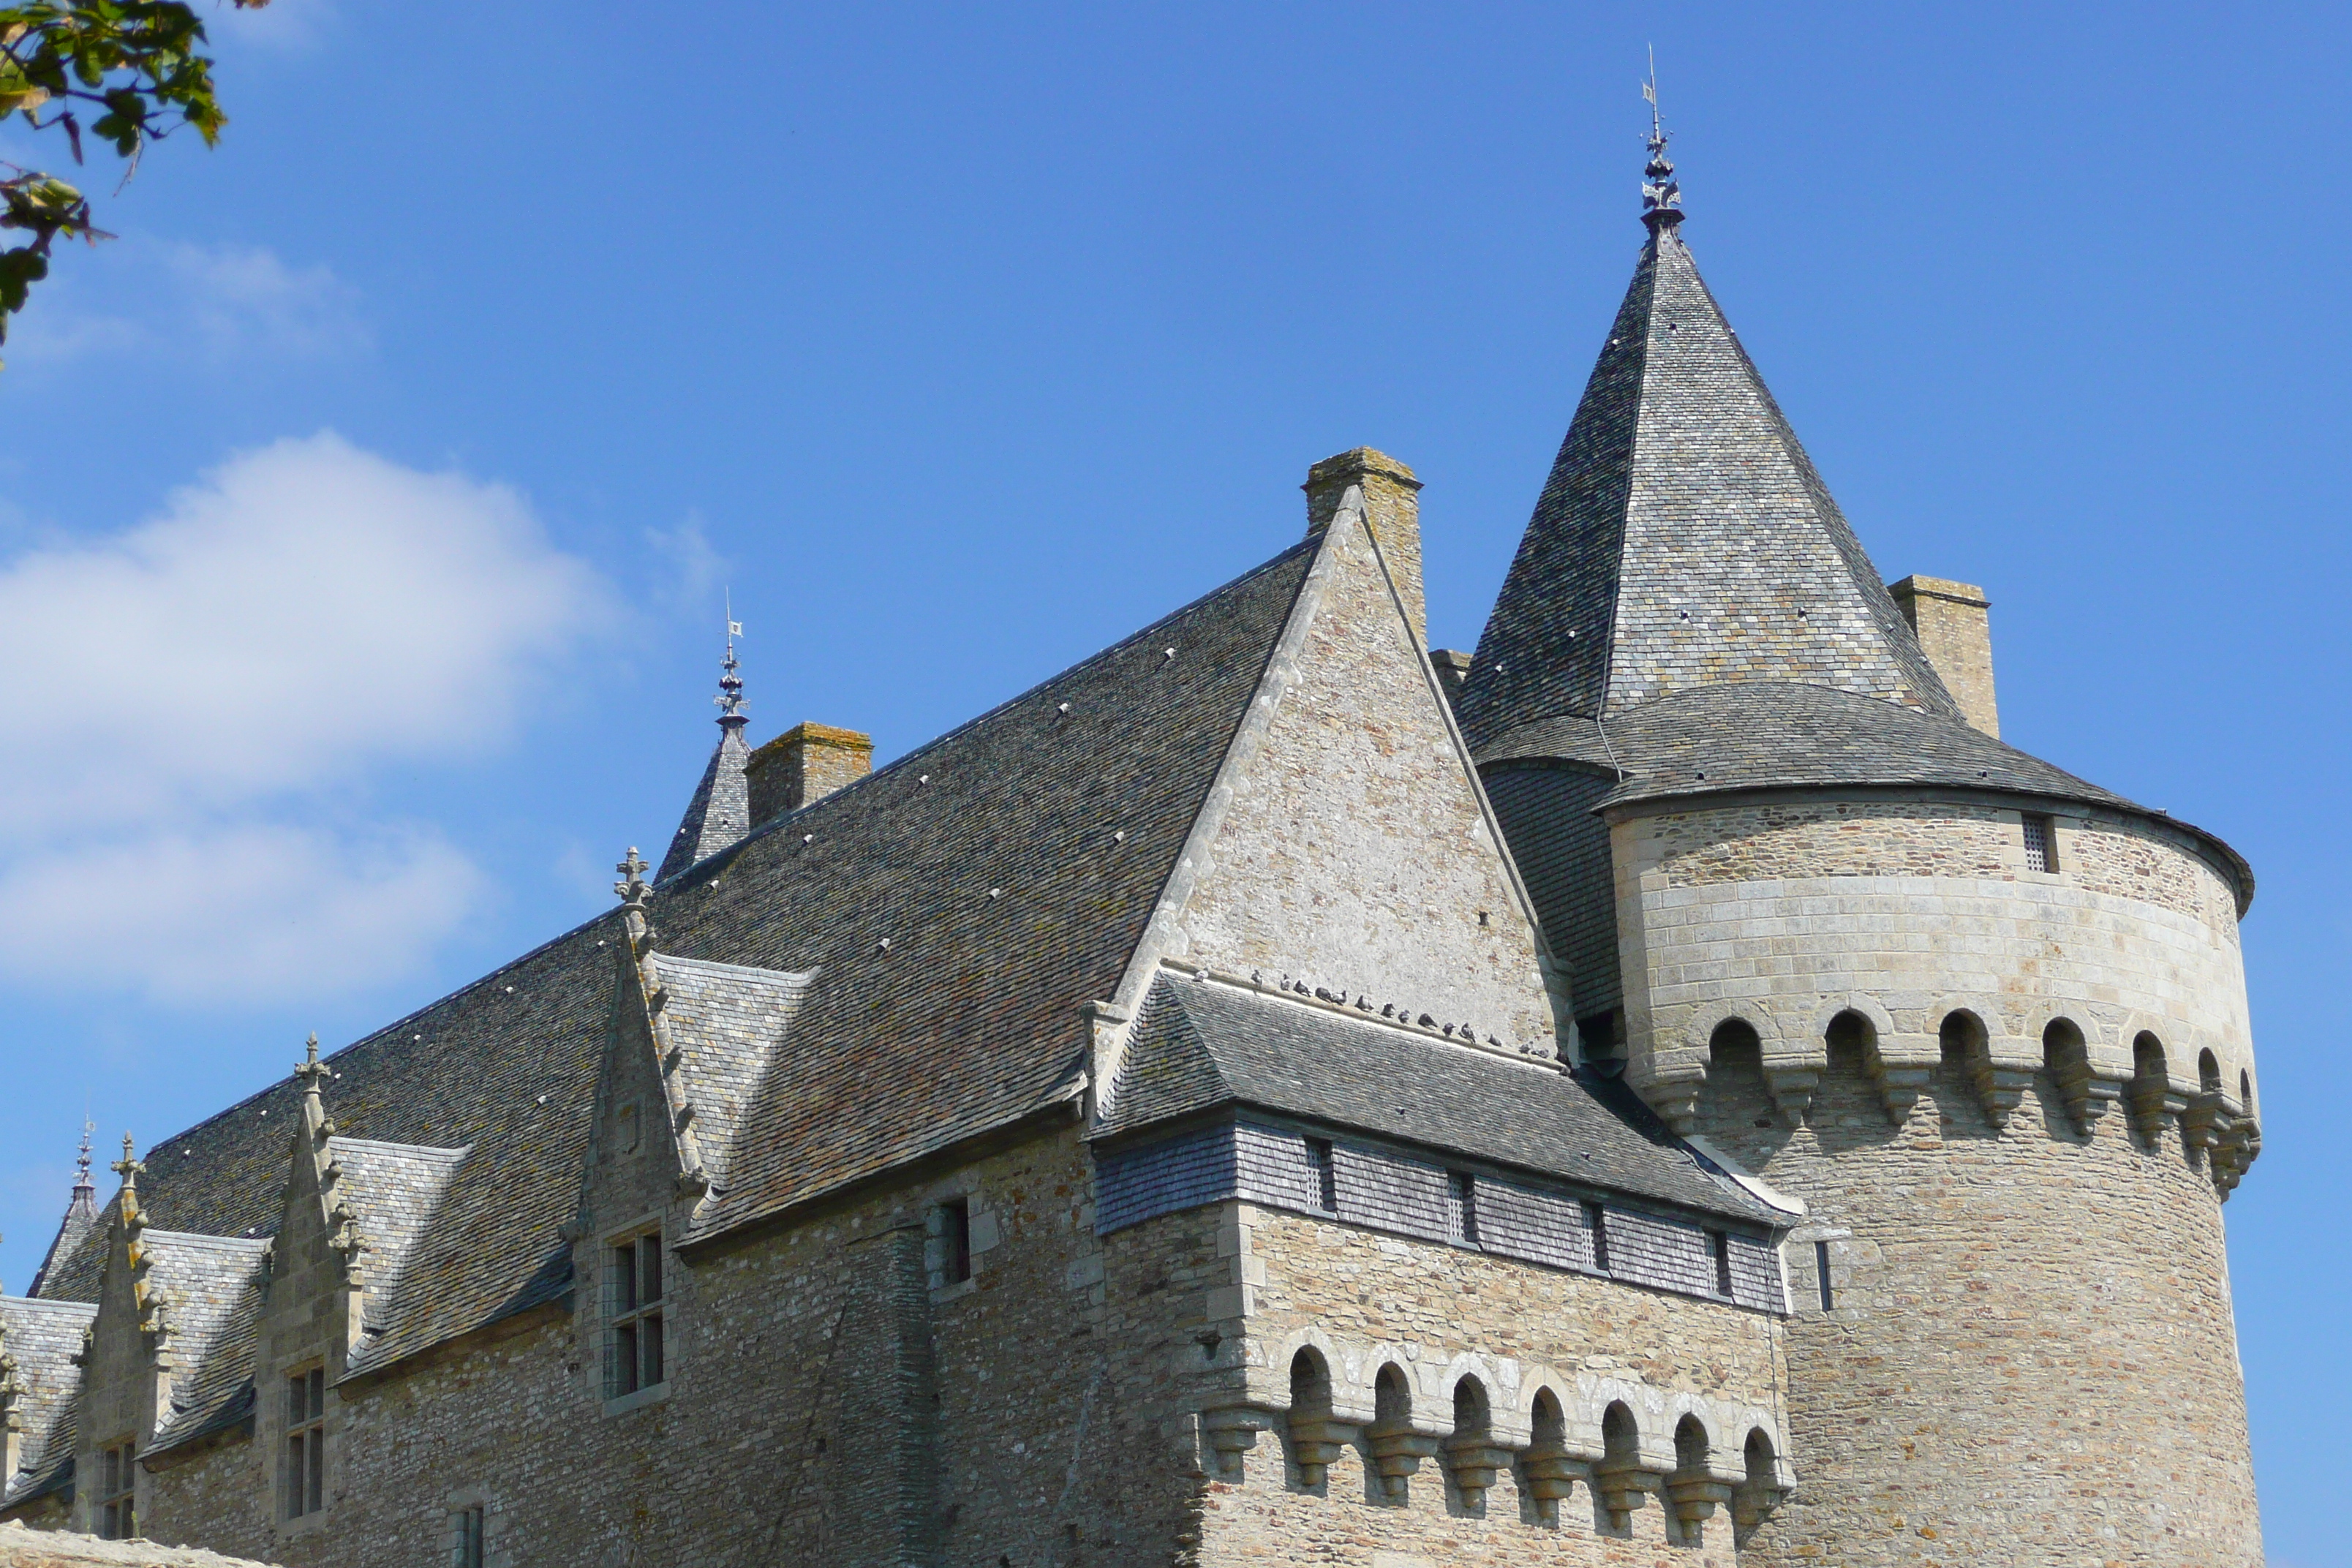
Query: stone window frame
x=981, y=1234
x=2038, y=824
x=474, y=1504
x=631, y=1320
x=303, y=1482
x=114, y=1499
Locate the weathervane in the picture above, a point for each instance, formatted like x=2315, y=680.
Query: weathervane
x=731, y=685
x=1662, y=195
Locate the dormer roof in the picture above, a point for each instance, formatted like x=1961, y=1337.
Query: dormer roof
x=42, y=1338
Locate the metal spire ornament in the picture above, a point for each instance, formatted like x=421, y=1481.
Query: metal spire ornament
x=1662, y=193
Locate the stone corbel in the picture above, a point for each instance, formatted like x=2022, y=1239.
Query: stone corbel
x=1623, y=1485
x=1549, y=1473
x=1475, y=1457
x=1317, y=1441
x=1756, y=1501
x=1397, y=1452
x=1695, y=1494
x=2005, y=1075
x=2154, y=1101
x=1896, y=1068
x=1228, y=1433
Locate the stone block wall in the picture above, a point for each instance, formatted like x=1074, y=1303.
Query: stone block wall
x=832, y=1398
x=1405, y=1477
x=2028, y=1358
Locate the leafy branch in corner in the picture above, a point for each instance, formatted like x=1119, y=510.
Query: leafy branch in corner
x=135, y=67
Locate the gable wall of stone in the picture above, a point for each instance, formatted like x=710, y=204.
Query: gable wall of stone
x=1354, y=853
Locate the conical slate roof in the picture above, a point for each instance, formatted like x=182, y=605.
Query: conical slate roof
x=1684, y=539
x=719, y=813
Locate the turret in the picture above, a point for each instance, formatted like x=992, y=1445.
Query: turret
x=1987, y=1020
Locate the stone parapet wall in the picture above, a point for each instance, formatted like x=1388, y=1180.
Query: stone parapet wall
x=1469, y=1407
x=1784, y=916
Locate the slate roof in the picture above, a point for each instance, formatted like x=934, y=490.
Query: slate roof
x=1684, y=537
x=1205, y=1045
x=394, y=1190
x=81, y=1215
x=1751, y=735
x=206, y=1286
x=42, y=1338
x=966, y=1022
x=726, y=1021
x=719, y=813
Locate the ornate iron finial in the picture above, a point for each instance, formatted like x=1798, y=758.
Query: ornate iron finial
x=1662, y=193
x=730, y=690
x=82, y=1182
x=129, y=1169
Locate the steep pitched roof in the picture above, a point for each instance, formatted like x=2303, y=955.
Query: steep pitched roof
x=208, y=1289
x=1069, y=803
x=1205, y=1044
x=394, y=1192
x=725, y=1020
x=80, y=1218
x=42, y=1338
x=1683, y=537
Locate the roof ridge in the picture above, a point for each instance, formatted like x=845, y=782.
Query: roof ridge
x=746, y=971
x=898, y=765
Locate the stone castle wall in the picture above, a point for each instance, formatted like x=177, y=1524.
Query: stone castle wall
x=831, y=1399
x=1495, y=1489
x=2027, y=1355
x=2030, y=1357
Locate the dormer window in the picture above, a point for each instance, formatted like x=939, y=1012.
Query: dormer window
x=635, y=1343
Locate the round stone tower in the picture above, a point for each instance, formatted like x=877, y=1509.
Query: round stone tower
x=1984, y=1021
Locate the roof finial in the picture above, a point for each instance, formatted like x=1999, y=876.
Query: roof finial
x=731, y=685
x=1662, y=195
x=633, y=892
x=128, y=1168
x=310, y=1069
x=82, y=1182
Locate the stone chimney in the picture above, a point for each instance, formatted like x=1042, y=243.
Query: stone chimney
x=1452, y=667
x=1949, y=620
x=806, y=763
x=1393, y=507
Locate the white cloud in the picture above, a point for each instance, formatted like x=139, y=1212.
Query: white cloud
x=229, y=912
x=219, y=301
x=244, y=299
x=182, y=698
x=693, y=572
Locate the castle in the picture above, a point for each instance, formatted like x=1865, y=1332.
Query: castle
x=1670, y=1088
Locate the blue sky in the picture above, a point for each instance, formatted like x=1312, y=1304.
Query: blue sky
x=366, y=509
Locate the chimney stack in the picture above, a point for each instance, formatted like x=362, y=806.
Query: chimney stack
x=1949, y=620
x=1392, y=508
x=806, y=764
